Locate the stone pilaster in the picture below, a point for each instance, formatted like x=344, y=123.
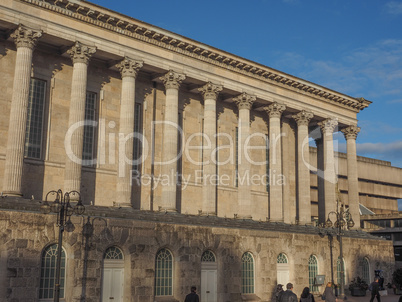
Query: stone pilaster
x=210, y=92
x=244, y=103
x=328, y=174
x=80, y=55
x=128, y=69
x=275, y=161
x=25, y=40
x=172, y=81
x=303, y=171
x=353, y=181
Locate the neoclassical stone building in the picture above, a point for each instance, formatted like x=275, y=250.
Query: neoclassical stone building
x=194, y=165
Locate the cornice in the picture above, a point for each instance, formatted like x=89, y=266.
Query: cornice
x=150, y=34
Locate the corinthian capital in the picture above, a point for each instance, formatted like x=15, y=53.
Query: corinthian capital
x=210, y=91
x=129, y=67
x=80, y=53
x=351, y=132
x=328, y=125
x=244, y=101
x=26, y=37
x=172, y=79
x=275, y=109
x=303, y=118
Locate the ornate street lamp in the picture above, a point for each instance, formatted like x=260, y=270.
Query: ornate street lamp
x=64, y=209
x=343, y=221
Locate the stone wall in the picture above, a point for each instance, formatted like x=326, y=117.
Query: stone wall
x=140, y=234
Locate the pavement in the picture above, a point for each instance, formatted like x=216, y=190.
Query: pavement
x=390, y=297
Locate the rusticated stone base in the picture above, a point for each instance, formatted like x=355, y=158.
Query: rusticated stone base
x=140, y=234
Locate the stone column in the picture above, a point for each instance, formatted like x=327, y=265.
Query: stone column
x=128, y=69
x=275, y=161
x=210, y=92
x=353, y=182
x=303, y=171
x=80, y=55
x=25, y=40
x=172, y=81
x=328, y=174
x=244, y=103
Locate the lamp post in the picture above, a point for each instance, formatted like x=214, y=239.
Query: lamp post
x=343, y=221
x=87, y=232
x=62, y=207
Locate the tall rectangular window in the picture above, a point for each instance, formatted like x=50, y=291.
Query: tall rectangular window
x=267, y=160
x=34, y=127
x=247, y=273
x=179, y=148
x=89, y=128
x=164, y=273
x=237, y=157
x=48, y=273
x=137, y=148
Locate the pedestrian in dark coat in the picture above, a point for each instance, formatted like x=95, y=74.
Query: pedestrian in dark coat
x=288, y=295
x=192, y=297
x=306, y=296
x=375, y=290
x=279, y=292
x=328, y=294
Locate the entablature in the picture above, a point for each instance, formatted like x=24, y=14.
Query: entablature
x=58, y=38
x=138, y=30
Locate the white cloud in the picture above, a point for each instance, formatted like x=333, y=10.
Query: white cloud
x=373, y=71
x=384, y=151
x=394, y=8
x=391, y=148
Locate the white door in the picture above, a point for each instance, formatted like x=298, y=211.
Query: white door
x=208, y=286
x=112, y=285
x=283, y=277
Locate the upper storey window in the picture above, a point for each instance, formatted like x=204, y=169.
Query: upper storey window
x=35, y=113
x=88, y=149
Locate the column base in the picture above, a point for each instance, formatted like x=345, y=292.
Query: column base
x=167, y=210
x=305, y=223
x=207, y=213
x=11, y=194
x=244, y=217
x=125, y=205
x=276, y=220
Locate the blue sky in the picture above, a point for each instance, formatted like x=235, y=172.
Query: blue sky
x=354, y=47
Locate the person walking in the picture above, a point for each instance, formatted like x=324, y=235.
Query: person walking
x=192, y=297
x=306, y=296
x=375, y=290
x=288, y=295
x=328, y=294
x=279, y=292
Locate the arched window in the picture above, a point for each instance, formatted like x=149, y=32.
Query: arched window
x=282, y=258
x=209, y=277
x=208, y=256
x=113, y=253
x=164, y=273
x=48, y=272
x=247, y=273
x=366, y=270
x=282, y=269
x=340, y=268
x=312, y=273
x=113, y=275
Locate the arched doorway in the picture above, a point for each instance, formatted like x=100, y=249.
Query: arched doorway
x=209, y=271
x=282, y=266
x=113, y=275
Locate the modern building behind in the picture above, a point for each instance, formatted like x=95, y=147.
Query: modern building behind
x=218, y=188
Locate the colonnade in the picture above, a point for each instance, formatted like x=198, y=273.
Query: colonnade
x=25, y=40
